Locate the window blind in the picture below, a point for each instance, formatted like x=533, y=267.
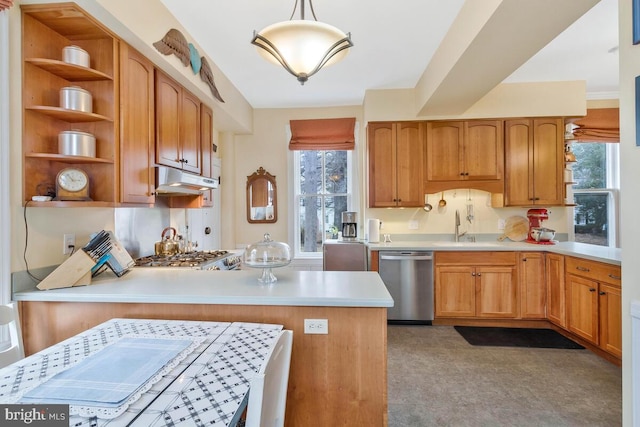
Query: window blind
x=322, y=134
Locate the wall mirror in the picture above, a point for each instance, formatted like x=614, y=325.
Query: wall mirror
x=262, y=197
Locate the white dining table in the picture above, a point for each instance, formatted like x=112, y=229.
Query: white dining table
x=207, y=384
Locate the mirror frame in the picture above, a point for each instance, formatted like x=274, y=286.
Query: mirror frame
x=262, y=174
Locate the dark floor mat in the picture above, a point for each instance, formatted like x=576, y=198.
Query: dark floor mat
x=515, y=337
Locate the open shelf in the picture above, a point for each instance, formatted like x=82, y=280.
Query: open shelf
x=68, y=115
x=68, y=71
x=47, y=29
x=70, y=204
x=67, y=159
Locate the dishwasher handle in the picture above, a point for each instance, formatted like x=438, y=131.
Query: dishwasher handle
x=407, y=257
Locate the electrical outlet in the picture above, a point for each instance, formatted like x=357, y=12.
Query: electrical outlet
x=501, y=224
x=316, y=326
x=413, y=224
x=68, y=240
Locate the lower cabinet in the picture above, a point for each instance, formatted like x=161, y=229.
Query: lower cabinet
x=481, y=284
x=583, y=307
x=556, y=290
x=594, y=303
x=533, y=296
x=610, y=312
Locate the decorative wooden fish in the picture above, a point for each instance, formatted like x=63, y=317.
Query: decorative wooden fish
x=175, y=43
x=207, y=76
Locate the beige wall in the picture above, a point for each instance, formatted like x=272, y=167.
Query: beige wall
x=630, y=176
x=268, y=147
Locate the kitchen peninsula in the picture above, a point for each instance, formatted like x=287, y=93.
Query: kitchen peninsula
x=335, y=379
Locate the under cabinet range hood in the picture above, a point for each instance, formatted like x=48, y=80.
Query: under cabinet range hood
x=174, y=182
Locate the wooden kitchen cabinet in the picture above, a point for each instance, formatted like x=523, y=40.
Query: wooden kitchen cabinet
x=533, y=292
x=473, y=284
x=137, y=135
x=177, y=126
x=556, y=290
x=206, y=138
x=46, y=30
x=455, y=290
x=583, y=307
x=610, y=312
x=465, y=154
x=534, y=162
x=396, y=164
x=594, y=303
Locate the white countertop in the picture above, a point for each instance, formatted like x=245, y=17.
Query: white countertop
x=581, y=250
x=186, y=286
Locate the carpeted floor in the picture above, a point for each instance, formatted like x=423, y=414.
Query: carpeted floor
x=437, y=379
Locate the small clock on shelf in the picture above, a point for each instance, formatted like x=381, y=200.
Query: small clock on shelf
x=72, y=184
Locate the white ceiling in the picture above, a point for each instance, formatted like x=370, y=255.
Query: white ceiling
x=393, y=43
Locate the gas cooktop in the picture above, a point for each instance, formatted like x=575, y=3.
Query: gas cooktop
x=199, y=260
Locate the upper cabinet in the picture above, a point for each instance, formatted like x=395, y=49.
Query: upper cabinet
x=534, y=162
x=206, y=138
x=177, y=126
x=137, y=135
x=47, y=30
x=465, y=154
x=396, y=152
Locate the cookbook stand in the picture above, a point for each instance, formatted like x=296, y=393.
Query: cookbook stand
x=75, y=271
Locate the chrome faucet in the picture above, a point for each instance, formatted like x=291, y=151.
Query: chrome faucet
x=457, y=233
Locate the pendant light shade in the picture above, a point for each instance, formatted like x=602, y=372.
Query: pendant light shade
x=302, y=46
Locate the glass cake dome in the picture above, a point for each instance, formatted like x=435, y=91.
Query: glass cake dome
x=267, y=254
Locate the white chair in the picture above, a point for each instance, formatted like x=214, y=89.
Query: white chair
x=9, y=316
x=268, y=389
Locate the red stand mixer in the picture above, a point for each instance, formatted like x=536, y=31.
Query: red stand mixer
x=536, y=216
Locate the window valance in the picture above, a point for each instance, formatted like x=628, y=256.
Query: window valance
x=5, y=4
x=323, y=134
x=599, y=125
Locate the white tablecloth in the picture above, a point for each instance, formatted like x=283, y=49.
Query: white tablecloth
x=206, y=388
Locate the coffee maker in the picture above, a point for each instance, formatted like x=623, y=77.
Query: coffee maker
x=536, y=216
x=349, y=226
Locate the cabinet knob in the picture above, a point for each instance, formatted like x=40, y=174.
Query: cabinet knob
x=473, y=274
x=466, y=174
x=536, y=198
x=579, y=268
x=461, y=173
x=185, y=160
x=479, y=274
x=524, y=259
x=602, y=293
x=592, y=289
x=615, y=277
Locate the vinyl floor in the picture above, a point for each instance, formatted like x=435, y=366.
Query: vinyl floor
x=435, y=378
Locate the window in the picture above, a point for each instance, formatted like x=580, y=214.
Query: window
x=323, y=190
x=595, y=192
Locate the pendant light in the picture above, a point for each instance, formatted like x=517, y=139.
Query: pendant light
x=302, y=46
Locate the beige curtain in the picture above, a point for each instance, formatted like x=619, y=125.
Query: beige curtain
x=599, y=125
x=322, y=134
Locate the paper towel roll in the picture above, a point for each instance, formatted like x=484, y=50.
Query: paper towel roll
x=374, y=230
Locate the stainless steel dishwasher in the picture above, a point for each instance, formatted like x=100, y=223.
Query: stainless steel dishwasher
x=408, y=276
